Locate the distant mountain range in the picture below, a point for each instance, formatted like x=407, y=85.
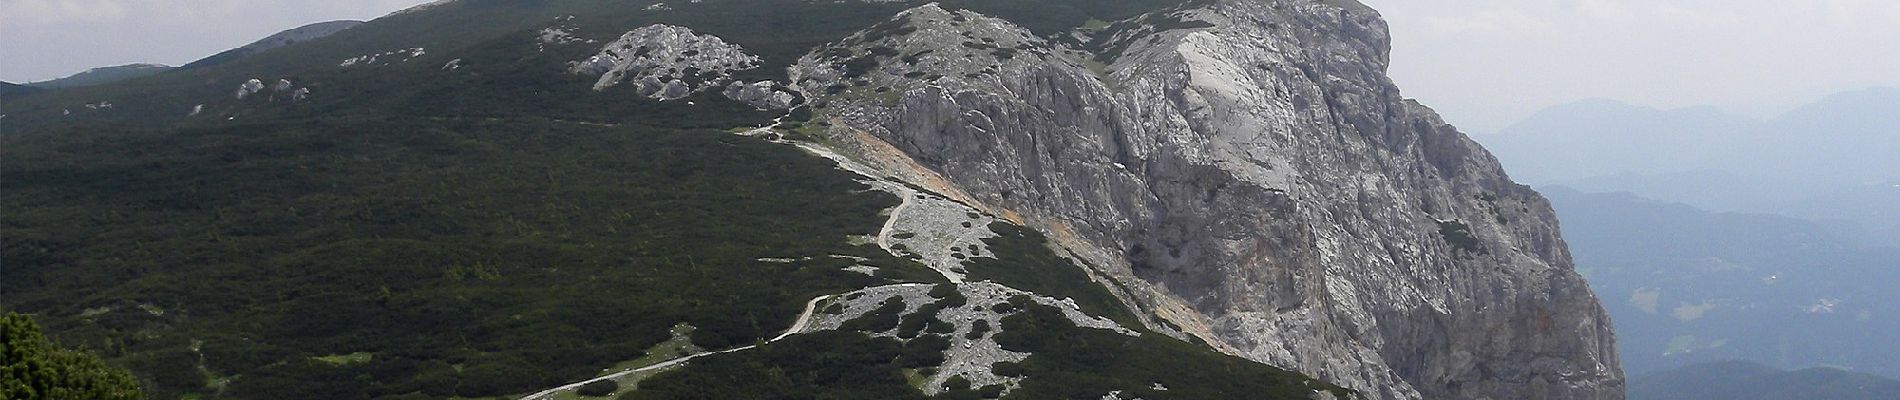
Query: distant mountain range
x=1738, y=380
x=1594, y=138
x=103, y=75
x=1845, y=139
x=1837, y=159
x=289, y=37
x=1688, y=286
x=1851, y=138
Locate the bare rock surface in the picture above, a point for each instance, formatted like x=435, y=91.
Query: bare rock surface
x=383, y=58
x=934, y=230
x=761, y=94
x=971, y=356
x=665, y=61
x=1248, y=171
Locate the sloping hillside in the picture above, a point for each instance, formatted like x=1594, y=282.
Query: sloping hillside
x=104, y=75
x=439, y=204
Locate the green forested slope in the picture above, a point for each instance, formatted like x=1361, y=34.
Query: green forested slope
x=418, y=232
x=474, y=258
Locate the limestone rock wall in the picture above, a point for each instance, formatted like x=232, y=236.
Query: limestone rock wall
x=1249, y=173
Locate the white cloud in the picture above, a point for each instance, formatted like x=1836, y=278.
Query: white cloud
x=176, y=12
x=29, y=13
x=1488, y=63
x=1613, y=10
x=1492, y=21
x=1701, y=18
x=1859, y=12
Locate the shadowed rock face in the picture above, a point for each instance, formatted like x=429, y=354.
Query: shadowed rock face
x=1249, y=174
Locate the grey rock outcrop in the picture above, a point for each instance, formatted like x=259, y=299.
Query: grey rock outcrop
x=665, y=61
x=249, y=88
x=970, y=356
x=761, y=94
x=1249, y=173
x=383, y=58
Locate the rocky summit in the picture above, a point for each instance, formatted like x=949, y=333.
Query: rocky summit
x=1246, y=171
x=1127, y=199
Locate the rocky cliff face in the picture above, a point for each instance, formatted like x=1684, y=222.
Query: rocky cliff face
x=1243, y=171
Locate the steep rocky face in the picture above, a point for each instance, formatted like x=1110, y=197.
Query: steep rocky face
x=1245, y=171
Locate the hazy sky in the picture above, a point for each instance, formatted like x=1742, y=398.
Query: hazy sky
x=1482, y=63
x=46, y=39
x=1488, y=63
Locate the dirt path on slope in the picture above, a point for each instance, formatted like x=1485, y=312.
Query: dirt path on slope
x=798, y=326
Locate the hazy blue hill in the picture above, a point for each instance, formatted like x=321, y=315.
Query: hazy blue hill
x=1605, y=137
x=1867, y=211
x=104, y=75
x=1849, y=138
x=1842, y=140
x=1687, y=286
x=1834, y=159
x=1739, y=380
x=1709, y=189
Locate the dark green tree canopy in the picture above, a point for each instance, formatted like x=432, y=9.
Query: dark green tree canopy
x=33, y=368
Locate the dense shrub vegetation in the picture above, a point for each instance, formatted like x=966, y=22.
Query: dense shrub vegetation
x=882, y=319
x=820, y=365
x=466, y=257
x=792, y=368
x=1020, y=258
x=598, y=388
x=1078, y=363
x=33, y=368
x=1459, y=236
